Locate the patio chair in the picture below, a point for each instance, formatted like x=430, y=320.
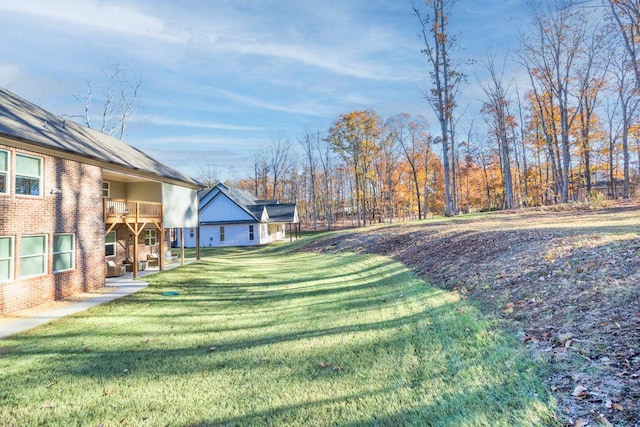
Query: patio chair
x=114, y=270
x=153, y=260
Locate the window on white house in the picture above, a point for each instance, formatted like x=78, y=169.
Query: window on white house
x=110, y=244
x=28, y=175
x=251, y=237
x=150, y=237
x=106, y=189
x=33, y=255
x=6, y=258
x=64, y=249
x=4, y=171
x=222, y=233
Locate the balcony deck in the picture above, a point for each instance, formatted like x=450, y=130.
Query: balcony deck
x=131, y=211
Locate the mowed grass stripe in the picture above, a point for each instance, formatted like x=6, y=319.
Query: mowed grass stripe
x=300, y=339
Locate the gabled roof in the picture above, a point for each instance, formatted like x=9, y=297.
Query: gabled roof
x=21, y=120
x=282, y=212
x=259, y=210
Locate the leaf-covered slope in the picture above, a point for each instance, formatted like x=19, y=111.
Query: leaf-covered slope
x=566, y=279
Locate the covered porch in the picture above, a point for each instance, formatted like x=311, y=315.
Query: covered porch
x=137, y=223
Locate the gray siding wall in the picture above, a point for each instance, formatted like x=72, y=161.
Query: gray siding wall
x=180, y=205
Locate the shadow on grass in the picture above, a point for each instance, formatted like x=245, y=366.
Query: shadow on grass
x=370, y=344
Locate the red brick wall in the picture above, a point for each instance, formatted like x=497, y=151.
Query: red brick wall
x=75, y=208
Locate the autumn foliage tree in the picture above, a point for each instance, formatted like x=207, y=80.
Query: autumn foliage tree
x=355, y=136
x=571, y=132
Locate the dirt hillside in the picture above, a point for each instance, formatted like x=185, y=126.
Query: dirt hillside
x=566, y=279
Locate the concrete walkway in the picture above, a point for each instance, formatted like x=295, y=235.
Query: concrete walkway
x=125, y=285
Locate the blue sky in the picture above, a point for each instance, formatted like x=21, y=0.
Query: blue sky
x=221, y=78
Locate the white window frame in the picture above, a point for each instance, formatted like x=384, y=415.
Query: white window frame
x=6, y=172
x=251, y=233
x=72, y=252
x=44, y=256
x=150, y=235
x=39, y=176
x=9, y=258
x=222, y=233
x=107, y=243
x=106, y=185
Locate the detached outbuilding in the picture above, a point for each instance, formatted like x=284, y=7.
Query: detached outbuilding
x=233, y=217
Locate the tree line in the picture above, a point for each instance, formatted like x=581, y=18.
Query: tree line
x=568, y=132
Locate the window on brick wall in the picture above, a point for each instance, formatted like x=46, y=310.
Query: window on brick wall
x=110, y=244
x=4, y=171
x=6, y=259
x=222, y=233
x=106, y=189
x=33, y=255
x=28, y=175
x=150, y=237
x=64, y=250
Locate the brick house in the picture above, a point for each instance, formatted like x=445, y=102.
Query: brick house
x=72, y=199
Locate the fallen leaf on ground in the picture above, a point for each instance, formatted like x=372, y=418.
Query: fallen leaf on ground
x=48, y=405
x=603, y=421
x=580, y=392
x=580, y=422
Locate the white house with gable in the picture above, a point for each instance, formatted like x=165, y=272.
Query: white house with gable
x=234, y=217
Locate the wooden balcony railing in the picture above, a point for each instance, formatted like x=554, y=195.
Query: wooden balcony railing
x=121, y=210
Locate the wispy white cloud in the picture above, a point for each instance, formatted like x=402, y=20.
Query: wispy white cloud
x=222, y=30
x=97, y=15
x=195, y=124
x=195, y=142
x=290, y=107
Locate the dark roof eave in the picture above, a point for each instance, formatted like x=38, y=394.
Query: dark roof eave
x=100, y=162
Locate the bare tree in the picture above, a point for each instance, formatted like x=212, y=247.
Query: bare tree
x=614, y=130
x=626, y=14
x=119, y=96
x=591, y=78
x=391, y=152
x=550, y=56
x=278, y=160
x=260, y=173
x=438, y=43
x=309, y=142
x=628, y=97
x=324, y=156
x=413, y=139
x=496, y=108
x=208, y=175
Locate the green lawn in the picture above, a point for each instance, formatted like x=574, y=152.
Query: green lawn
x=261, y=337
